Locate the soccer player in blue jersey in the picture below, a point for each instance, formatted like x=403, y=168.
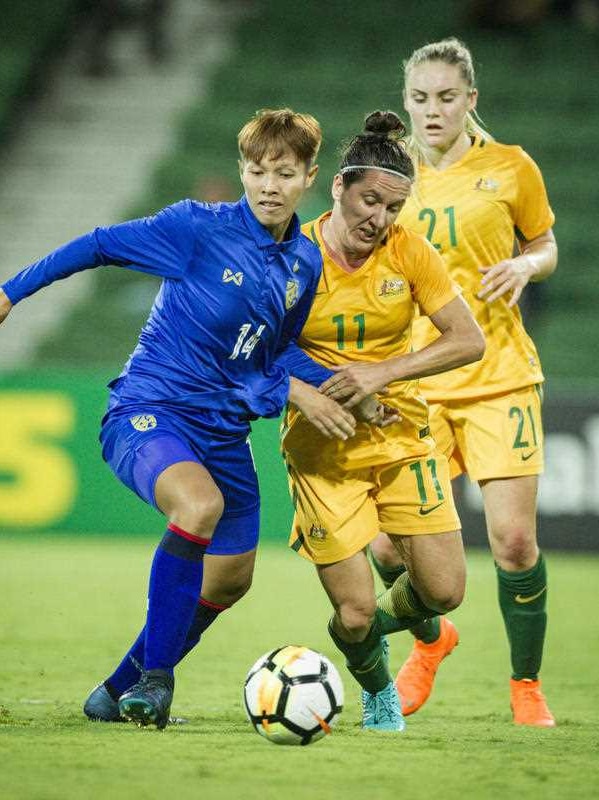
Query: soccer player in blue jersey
x=215, y=353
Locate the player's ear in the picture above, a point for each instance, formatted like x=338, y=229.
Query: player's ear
x=240, y=165
x=337, y=187
x=311, y=175
x=473, y=99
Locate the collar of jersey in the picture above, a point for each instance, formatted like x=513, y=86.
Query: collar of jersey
x=472, y=152
x=259, y=233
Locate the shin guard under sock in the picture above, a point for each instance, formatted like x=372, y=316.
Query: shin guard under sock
x=523, y=599
x=175, y=585
x=365, y=660
x=205, y=615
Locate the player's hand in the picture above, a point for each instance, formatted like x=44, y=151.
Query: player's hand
x=370, y=410
x=350, y=385
x=331, y=419
x=389, y=416
x=5, y=306
x=510, y=275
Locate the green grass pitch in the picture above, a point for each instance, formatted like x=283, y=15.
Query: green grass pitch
x=68, y=607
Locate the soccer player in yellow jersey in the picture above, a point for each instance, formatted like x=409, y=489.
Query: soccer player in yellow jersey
x=484, y=207
x=375, y=275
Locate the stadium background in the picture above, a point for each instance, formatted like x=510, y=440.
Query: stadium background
x=104, y=118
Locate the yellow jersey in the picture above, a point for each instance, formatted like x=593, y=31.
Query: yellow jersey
x=473, y=212
x=367, y=315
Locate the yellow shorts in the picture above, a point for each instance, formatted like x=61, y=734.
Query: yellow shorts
x=494, y=437
x=338, y=514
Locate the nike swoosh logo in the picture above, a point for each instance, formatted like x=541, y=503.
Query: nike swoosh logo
x=424, y=511
x=519, y=599
x=530, y=455
x=370, y=668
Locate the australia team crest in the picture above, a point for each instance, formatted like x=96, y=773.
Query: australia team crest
x=318, y=532
x=391, y=287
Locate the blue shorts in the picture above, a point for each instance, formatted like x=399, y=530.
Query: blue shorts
x=142, y=443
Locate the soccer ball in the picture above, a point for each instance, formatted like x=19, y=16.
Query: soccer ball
x=293, y=695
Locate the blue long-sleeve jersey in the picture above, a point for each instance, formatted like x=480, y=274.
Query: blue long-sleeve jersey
x=221, y=333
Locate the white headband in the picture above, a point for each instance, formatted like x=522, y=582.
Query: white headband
x=354, y=167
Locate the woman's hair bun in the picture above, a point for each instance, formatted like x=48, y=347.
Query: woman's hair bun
x=382, y=123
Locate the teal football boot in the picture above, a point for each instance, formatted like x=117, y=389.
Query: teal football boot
x=382, y=711
x=149, y=700
x=101, y=707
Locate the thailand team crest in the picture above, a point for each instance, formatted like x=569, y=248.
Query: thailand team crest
x=291, y=293
x=143, y=422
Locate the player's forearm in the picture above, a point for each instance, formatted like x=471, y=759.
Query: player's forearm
x=79, y=254
x=451, y=350
x=461, y=342
x=300, y=365
x=540, y=257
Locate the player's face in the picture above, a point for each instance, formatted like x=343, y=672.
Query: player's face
x=274, y=188
x=437, y=99
x=364, y=211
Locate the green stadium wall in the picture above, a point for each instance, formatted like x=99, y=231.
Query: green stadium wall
x=53, y=479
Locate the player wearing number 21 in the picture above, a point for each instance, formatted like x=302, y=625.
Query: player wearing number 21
x=217, y=351
x=484, y=207
x=375, y=275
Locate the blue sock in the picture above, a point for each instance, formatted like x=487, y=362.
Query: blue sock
x=175, y=585
x=129, y=670
x=205, y=615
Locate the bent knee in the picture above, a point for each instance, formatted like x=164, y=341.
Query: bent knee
x=199, y=515
x=448, y=602
x=444, y=599
x=357, y=618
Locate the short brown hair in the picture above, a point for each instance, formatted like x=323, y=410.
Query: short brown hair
x=270, y=131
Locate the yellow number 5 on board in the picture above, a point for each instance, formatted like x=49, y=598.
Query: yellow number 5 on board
x=38, y=480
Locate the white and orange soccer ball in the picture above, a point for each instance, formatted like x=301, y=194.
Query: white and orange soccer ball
x=293, y=695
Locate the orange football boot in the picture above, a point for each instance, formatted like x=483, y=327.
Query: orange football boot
x=529, y=705
x=415, y=679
